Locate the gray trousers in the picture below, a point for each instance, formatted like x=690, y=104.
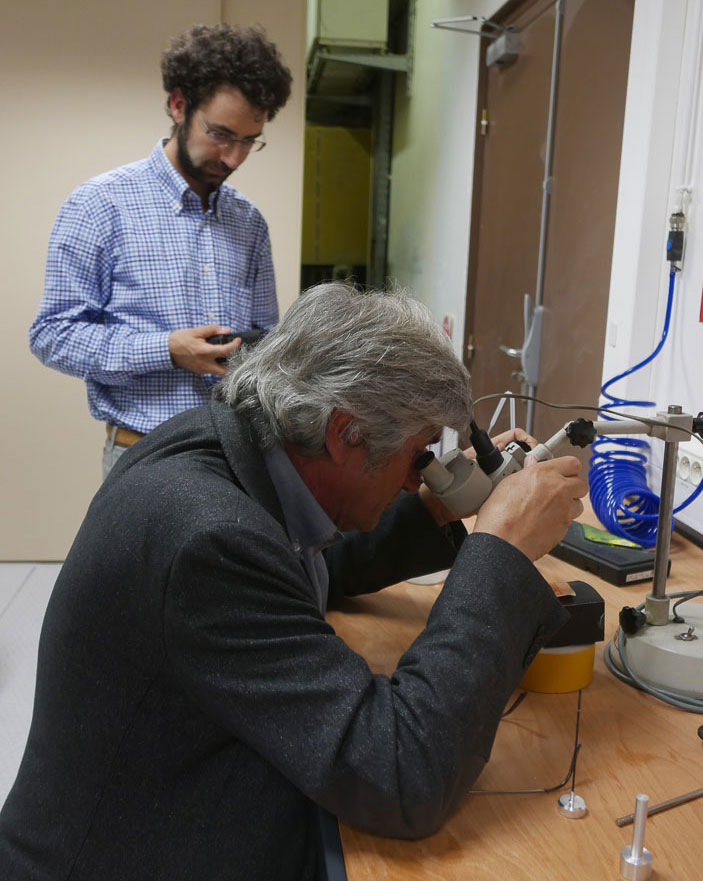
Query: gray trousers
x=111, y=453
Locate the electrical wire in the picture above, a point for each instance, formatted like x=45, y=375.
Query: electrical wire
x=570, y=775
x=586, y=408
x=515, y=704
x=682, y=702
x=674, y=614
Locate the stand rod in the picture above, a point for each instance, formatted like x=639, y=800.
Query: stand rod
x=666, y=513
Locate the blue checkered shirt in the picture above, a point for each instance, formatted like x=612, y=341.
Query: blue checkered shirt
x=132, y=256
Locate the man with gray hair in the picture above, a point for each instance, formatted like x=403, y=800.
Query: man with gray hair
x=193, y=707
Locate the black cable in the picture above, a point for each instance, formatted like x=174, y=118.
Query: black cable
x=515, y=704
x=645, y=420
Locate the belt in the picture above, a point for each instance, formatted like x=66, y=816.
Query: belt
x=124, y=437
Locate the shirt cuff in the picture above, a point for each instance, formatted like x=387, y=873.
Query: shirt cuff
x=150, y=352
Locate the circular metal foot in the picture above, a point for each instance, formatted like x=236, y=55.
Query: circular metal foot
x=572, y=806
x=635, y=867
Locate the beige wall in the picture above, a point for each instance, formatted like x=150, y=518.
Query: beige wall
x=82, y=94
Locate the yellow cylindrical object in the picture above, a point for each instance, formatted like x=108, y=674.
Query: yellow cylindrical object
x=560, y=670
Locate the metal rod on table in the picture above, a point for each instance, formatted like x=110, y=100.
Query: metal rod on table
x=663, y=806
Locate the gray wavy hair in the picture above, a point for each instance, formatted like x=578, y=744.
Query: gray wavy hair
x=376, y=355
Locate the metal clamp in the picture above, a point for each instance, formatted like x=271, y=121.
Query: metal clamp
x=529, y=353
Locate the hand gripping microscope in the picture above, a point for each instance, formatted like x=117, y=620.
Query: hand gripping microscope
x=662, y=655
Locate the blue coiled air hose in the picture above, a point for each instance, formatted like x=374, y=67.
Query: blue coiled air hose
x=617, y=474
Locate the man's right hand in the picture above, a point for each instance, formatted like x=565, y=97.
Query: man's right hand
x=532, y=509
x=189, y=349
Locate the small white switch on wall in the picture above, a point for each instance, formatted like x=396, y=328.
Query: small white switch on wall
x=613, y=334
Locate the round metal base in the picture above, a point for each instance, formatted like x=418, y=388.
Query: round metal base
x=667, y=656
x=572, y=806
x=635, y=868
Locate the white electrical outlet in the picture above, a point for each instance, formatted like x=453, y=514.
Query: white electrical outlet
x=689, y=468
x=683, y=468
x=689, y=476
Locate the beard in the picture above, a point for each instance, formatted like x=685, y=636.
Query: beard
x=210, y=172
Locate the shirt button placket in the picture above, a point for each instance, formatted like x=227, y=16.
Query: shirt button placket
x=210, y=293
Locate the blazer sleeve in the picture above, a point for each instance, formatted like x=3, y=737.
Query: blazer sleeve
x=389, y=754
x=406, y=543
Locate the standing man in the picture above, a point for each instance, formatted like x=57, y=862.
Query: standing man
x=148, y=261
x=193, y=707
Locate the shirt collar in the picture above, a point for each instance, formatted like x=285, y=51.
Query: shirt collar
x=172, y=180
x=307, y=523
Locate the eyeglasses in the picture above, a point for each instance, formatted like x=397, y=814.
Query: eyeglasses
x=225, y=141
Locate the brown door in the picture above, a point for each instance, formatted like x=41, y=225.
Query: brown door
x=588, y=119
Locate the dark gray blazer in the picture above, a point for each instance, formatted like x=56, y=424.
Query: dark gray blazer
x=193, y=705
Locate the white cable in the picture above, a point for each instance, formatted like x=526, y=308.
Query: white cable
x=499, y=409
x=690, y=75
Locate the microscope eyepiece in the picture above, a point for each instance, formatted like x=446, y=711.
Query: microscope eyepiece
x=423, y=460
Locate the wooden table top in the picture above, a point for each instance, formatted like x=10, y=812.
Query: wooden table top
x=630, y=743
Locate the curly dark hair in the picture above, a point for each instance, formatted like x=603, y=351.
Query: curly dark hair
x=207, y=57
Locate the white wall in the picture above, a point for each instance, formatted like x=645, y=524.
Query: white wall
x=82, y=94
x=432, y=168
x=276, y=183
x=661, y=153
